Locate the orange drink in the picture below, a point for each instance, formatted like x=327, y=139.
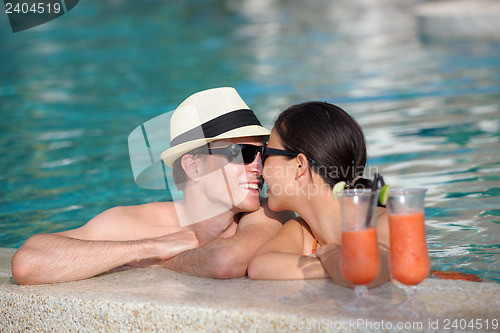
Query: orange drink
x=359, y=256
x=410, y=263
x=359, y=260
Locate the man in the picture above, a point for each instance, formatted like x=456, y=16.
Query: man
x=216, y=147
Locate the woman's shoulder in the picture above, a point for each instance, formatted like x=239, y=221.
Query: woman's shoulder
x=297, y=222
x=304, y=226
x=293, y=228
x=298, y=226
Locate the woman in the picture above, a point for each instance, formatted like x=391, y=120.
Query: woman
x=313, y=146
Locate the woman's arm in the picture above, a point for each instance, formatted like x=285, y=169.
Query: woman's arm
x=282, y=257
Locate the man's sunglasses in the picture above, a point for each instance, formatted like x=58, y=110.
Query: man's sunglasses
x=236, y=153
x=248, y=153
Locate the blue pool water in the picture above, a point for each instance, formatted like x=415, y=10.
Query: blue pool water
x=73, y=89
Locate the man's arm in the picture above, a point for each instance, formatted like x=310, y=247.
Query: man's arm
x=229, y=257
x=90, y=250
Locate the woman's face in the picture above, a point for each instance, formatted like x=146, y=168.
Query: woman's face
x=279, y=174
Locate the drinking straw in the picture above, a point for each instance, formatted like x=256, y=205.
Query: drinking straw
x=374, y=188
x=376, y=179
x=381, y=180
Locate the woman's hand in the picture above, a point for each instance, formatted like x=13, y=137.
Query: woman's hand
x=329, y=255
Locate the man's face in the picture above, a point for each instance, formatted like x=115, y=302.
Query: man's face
x=233, y=184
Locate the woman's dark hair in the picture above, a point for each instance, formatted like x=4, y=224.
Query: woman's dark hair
x=329, y=137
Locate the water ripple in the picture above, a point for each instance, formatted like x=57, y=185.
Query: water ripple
x=73, y=91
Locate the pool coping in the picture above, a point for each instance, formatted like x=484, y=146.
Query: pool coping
x=158, y=299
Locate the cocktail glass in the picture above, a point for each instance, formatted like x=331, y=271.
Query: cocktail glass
x=409, y=257
x=359, y=259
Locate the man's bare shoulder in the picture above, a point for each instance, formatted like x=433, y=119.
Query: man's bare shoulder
x=144, y=212
x=149, y=213
x=129, y=222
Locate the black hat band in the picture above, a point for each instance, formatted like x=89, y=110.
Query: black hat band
x=218, y=126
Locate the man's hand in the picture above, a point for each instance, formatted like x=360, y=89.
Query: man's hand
x=173, y=244
x=168, y=246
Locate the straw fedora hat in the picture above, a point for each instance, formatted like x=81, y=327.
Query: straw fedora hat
x=210, y=115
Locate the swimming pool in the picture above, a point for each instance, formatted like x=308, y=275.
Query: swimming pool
x=73, y=89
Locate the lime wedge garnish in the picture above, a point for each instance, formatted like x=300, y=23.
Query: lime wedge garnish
x=384, y=194
x=337, y=189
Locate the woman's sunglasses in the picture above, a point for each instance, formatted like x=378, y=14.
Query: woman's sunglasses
x=248, y=153
x=274, y=151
